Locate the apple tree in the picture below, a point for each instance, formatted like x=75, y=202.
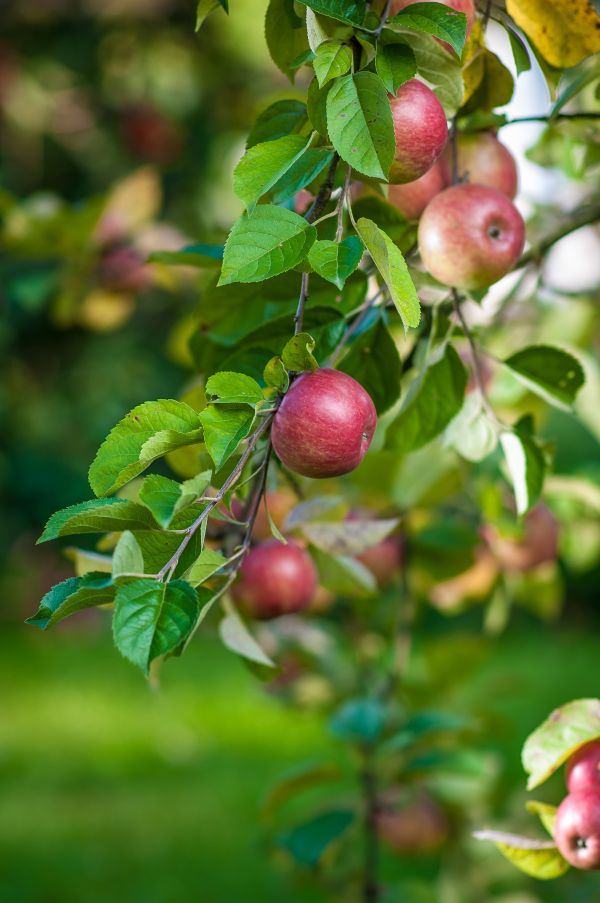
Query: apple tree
x=359, y=443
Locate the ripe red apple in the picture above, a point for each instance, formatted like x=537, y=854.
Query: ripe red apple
x=383, y=560
x=324, y=424
x=275, y=579
x=583, y=768
x=461, y=6
x=411, y=198
x=417, y=827
x=420, y=128
x=470, y=236
x=577, y=828
x=537, y=545
x=482, y=160
x=122, y=269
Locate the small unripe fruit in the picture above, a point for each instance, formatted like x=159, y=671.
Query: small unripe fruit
x=324, y=424
x=470, y=236
x=583, y=768
x=577, y=828
x=275, y=579
x=482, y=160
x=412, y=198
x=420, y=128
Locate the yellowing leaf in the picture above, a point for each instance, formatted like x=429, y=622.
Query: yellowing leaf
x=473, y=60
x=564, y=31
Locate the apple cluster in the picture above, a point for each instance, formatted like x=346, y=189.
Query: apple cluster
x=577, y=825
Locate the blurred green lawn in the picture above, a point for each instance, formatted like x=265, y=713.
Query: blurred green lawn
x=110, y=791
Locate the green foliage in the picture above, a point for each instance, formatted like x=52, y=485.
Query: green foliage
x=97, y=516
x=359, y=721
x=439, y=68
x=308, y=842
x=224, y=428
x=435, y=19
x=72, y=595
x=352, y=12
x=332, y=59
x=549, y=372
x=152, y=619
x=237, y=637
x=264, y=164
x=265, y=244
x=128, y=558
x=538, y=858
x=559, y=737
x=525, y=463
x=392, y=267
x=148, y=432
x=433, y=399
x=282, y=118
x=233, y=388
x=396, y=64
x=297, y=354
x=335, y=261
x=285, y=34
x=165, y=497
x=359, y=122
x=374, y=361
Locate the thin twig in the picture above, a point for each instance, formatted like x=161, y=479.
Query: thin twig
x=320, y=202
x=548, y=118
x=340, y=209
x=299, y=315
x=384, y=17
x=173, y=561
x=577, y=219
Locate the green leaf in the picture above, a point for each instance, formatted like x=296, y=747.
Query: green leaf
x=316, y=105
x=471, y=433
x=335, y=261
x=549, y=372
x=391, y=265
x=373, y=360
x=233, y=388
x=206, y=565
x=276, y=375
x=97, y=516
x=284, y=117
x=421, y=725
x=309, y=841
x=264, y=164
x=545, y=812
x=190, y=256
x=496, y=86
x=566, y=730
x=236, y=636
x=359, y=122
x=574, y=80
x=224, y=429
x=435, y=19
x=85, y=561
x=304, y=171
x=265, y=244
x=352, y=12
x=127, y=557
x=538, y=858
x=519, y=48
x=73, y=595
x=526, y=467
x=344, y=576
x=299, y=779
x=286, y=35
x=204, y=9
x=396, y=64
x=348, y=537
x=158, y=546
x=439, y=68
x=165, y=497
x=297, y=354
x=359, y=721
x=430, y=404
x=152, y=618
x=332, y=59
x=148, y=432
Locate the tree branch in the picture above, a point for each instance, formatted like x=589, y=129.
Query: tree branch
x=371, y=891
x=320, y=202
x=299, y=315
x=578, y=218
x=549, y=118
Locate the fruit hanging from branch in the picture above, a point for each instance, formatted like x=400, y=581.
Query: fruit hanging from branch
x=275, y=579
x=482, y=160
x=420, y=129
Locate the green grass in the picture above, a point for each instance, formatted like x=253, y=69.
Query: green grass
x=109, y=791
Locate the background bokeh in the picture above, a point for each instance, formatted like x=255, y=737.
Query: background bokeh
x=108, y=789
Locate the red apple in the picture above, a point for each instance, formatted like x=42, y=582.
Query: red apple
x=417, y=827
x=324, y=424
x=411, y=198
x=537, y=545
x=577, y=828
x=583, y=768
x=383, y=560
x=470, y=236
x=482, y=160
x=123, y=270
x=420, y=128
x=275, y=579
x=461, y=6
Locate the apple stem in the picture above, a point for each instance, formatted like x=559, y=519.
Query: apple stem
x=340, y=208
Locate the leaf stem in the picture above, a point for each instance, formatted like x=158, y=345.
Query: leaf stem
x=340, y=208
x=299, y=315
